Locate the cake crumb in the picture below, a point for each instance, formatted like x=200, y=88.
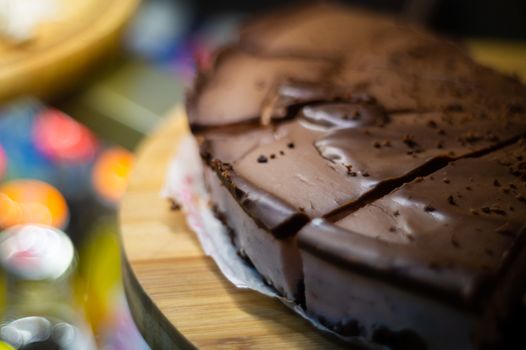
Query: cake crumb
x=262, y=159
x=429, y=208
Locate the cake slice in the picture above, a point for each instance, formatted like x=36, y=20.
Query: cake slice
x=319, y=164
x=441, y=255
x=346, y=51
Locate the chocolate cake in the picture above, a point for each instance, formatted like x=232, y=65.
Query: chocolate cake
x=372, y=173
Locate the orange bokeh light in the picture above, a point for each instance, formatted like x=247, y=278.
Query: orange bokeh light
x=32, y=201
x=111, y=173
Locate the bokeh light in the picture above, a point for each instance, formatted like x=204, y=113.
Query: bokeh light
x=99, y=273
x=5, y=346
x=3, y=162
x=32, y=201
x=35, y=252
x=111, y=173
x=61, y=138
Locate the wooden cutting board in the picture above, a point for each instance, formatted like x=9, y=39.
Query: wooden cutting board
x=178, y=297
x=64, y=48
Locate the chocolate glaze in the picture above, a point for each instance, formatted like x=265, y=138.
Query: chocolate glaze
x=234, y=91
x=351, y=154
x=394, y=136
x=345, y=114
x=412, y=140
x=291, y=175
x=403, y=68
x=417, y=144
x=442, y=235
x=271, y=213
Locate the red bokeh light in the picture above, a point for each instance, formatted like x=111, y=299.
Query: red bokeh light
x=3, y=163
x=60, y=137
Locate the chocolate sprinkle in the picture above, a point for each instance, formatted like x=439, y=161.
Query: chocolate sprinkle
x=454, y=107
x=262, y=159
x=454, y=242
x=429, y=208
x=409, y=141
x=432, y=124
x=174, y=205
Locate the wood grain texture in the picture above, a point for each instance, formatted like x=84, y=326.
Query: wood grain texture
x=171, y=285
x=63, y=50
x=178, y=297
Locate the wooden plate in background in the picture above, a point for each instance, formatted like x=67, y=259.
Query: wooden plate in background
x=63, y=49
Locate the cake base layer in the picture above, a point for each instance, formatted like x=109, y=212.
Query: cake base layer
x=381, y=312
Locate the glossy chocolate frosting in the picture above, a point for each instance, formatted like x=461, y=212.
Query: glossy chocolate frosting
x=401, y=67
x=331, y=155
x=399, y=157
x=451, y=230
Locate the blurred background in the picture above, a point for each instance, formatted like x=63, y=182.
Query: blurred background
x=68, y=130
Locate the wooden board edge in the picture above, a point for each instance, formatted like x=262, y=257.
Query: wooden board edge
x=155, y=328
